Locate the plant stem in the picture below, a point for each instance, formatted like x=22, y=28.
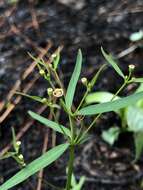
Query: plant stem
x=80, y=104
x=70, y=167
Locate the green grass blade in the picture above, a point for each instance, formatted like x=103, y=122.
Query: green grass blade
x=111, y=106
x=38, y=164
x=50, y=124
x=73, y=81
x=111, y=61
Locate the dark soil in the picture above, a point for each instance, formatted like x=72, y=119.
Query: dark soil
x=85, y=24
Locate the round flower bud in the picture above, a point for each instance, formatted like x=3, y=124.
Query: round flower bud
x=131, y=67
x=58, y=92
x=49, y=91
x=84, y=80
x=20, y=156
x=50, y=65
x=44, y=100
x=54, y=55
x=42, y=72
x=23, y=164
x=18, y=143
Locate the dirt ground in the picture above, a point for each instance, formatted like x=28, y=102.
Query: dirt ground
x=30, y=26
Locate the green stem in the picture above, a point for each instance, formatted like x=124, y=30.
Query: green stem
x=70, y=167
x=80, y=104
x=72, y=129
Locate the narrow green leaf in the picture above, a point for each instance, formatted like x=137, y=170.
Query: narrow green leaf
x=111, y=106
x=79, y=185
x=7, y=155
x=138, y=140
x=100, y=97
x=73, y=81
x=109, y=58
x=50, y=124
x=138, y=80
x=36, y=98
x=111, y=135
x=134, y=116
x=38, y=164
x=56, y=60
x=136, y=36
x=14, y=139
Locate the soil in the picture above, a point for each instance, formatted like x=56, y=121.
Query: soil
x=87, y=24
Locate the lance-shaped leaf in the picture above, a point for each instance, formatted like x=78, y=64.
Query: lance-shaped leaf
x=56, y=60
x=38, y=164
x=111, y=106
x=73, y=81
x=36, y=98
x=39, y=99
x=100, y=97
x=109, y=58
x=51, y=124
x=137, y=80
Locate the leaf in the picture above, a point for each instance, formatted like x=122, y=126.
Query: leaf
x=111, y=135
x=100, y=97
x=56, y=60
x=36, y=98
x=138, y=140
x=14, y=140
x=50, y=124
x=109, y=58
x=96, y=76
x=134, y=116
x=136, y=36
x=73, y=81
x=138, y=80
x=111, y=106
x=79, y=185
x=38, y=164
x=7, y=155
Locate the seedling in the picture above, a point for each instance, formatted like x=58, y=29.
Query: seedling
x=76, y=132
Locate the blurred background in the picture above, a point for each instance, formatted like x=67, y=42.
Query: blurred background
x=40, y=27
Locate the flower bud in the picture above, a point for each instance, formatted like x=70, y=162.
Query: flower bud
x=131, y=67
x=42, y=72
x=20, y=156
x=49, y=91
x=53, y=55
x=50, y=65
x=18, y=143
x=58, y=92
x=44, y=100
x=84, y=81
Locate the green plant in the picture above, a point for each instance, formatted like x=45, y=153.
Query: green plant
x=58, y=98
x=131, y=117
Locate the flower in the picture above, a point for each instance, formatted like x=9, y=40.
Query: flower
x=58, y=92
